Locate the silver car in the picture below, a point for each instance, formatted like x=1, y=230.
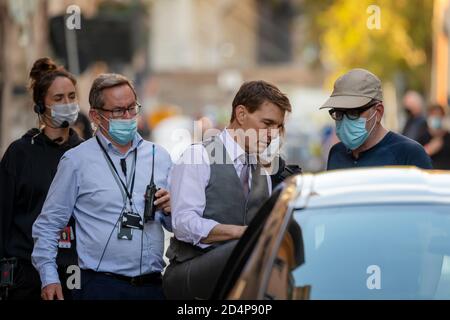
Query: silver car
x=380, y=233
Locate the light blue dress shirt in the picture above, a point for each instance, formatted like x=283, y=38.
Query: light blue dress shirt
x=85, y=187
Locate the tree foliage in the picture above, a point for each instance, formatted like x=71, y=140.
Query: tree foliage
x=402, y=45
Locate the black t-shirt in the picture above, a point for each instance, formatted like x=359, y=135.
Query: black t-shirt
x=393, y=150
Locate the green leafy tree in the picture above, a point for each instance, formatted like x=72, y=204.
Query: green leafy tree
x=400, y=47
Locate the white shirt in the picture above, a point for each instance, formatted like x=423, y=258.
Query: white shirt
x=188, y=180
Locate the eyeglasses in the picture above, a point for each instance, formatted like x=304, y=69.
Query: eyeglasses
x=352, y=114
x=120, y=112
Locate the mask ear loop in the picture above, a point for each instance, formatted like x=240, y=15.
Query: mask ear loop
x=373, y=127
x=99, y=125
x=47, y=125
x=44, y=123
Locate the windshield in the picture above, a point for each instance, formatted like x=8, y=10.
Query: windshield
x=376, y=252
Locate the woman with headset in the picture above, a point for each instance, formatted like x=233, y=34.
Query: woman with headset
x=27, y=170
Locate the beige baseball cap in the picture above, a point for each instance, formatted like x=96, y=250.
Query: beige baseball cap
x=354, y=89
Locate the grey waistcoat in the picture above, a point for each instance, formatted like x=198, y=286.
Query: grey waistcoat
x=225, y=201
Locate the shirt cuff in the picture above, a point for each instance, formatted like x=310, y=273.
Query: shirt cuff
x=207, y=226
x=49, y=275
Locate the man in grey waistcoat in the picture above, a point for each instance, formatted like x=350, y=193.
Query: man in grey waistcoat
x=217, y=187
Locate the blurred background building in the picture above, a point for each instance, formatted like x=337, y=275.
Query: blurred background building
x=189, y=57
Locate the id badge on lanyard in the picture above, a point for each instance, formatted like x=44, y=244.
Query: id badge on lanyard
x=128, y=219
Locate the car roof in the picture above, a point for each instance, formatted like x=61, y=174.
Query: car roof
x=383, y=185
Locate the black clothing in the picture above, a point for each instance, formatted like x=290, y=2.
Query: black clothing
x=441, y=159
x=26, y=282
x=415, y=127
x=26, y=172
x=284, y=171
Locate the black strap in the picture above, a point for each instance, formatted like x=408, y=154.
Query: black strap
x=129, y=193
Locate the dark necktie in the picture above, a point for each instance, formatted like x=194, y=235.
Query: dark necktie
x=245, y=175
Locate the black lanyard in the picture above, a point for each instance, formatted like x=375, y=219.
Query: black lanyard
x=129, y=193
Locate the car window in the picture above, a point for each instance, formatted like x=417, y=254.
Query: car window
x=290, y=254
x=361, y=252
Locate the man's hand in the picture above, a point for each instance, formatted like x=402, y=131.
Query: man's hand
x=50, y=291
x=163, y=200
x=224, y=232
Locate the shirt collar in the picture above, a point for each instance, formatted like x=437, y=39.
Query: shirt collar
x=233, y=148
x=137, y=140
x=374, y=147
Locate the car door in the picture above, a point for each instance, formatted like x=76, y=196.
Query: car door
x=249, y=272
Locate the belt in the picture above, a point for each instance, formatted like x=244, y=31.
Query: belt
x=149, y=278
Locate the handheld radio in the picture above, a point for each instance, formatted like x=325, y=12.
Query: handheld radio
x=149, y=209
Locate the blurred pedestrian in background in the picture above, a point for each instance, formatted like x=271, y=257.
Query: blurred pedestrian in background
x=27, y=170
x=416, y=122
x=83, y=126
x=436, y=141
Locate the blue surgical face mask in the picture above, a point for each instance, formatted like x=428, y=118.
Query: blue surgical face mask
x=353, y=133
x=435, y=123
x=122, y=131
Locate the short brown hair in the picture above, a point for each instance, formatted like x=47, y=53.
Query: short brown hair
x=253, y=94
x=105, y=81
x=437, y=107
x=42, y=75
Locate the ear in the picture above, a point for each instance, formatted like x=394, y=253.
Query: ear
x=93, y=114
x=380, y=111
x=240, y=113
